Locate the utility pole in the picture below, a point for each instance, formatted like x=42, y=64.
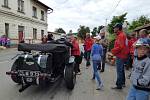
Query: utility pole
x=106, y=22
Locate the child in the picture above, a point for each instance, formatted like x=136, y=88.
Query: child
x=140, y=76
x=97, y=53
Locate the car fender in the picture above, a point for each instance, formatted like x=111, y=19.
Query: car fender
x=71, y=59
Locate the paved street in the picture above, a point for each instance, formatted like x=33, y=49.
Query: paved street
x=84, y=89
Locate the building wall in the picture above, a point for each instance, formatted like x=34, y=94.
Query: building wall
x=28, y=4
x=15, y=18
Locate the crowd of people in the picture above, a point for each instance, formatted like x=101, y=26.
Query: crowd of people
x=47, y=38
x=130, y=51
x=133, y=52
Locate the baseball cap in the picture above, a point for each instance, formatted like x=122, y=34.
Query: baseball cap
x=118, y=25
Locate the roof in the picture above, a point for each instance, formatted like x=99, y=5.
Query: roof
x=141, y=27
x=42, y=4
x=48, y=47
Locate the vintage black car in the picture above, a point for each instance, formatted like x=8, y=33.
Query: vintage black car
x=41, y=64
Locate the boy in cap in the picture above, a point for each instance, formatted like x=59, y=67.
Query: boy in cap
x=140, y=76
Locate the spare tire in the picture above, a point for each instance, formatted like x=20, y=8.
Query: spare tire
x=15, y=78
x=70, y=76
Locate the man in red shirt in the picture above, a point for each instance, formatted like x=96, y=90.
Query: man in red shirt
x=75, y=51
x=88, y=46
x=121, y=52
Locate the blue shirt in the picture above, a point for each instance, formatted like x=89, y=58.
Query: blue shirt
x=97, y=52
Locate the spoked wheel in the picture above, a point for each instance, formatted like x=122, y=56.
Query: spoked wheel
x=15, y=78
x=70, y=76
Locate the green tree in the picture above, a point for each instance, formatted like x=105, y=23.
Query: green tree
x=60, y=30
x=94, y=31
x=82, y=31
x=142, y=20
x=97, y=30
x=116, y=19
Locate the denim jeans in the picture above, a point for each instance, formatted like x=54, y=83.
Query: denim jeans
x=135, y=94
x=120, y=72
x=96, y=72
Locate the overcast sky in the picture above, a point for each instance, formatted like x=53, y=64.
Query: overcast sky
x=69, y=14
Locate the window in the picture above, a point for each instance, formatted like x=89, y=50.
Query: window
x=34, y=12
x=42, y=15
x=20, y=5
x=21, y=33
x=6, y=29
x=6, y=3
x=42, y=33
x=34, y=33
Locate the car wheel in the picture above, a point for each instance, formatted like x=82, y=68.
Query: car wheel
x=70, y=76
x=15, y=78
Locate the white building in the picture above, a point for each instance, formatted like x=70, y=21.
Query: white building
x=23, y=19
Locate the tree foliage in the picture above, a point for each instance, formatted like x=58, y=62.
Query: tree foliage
x=116, y=19
x=97, y=30
x=82, y=31
x=142, y=20
x=94, y=31
x=60, y=30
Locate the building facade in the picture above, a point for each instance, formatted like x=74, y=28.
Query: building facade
x=23, y=19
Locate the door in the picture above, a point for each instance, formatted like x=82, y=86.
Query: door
x=7, y=29
x=20, y=33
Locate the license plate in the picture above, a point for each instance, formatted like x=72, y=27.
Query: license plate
x=29, y=73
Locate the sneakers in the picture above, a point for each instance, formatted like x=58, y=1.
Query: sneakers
x=100, y=87
x=102, y=71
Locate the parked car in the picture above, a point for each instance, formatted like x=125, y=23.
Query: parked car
x=47, y=64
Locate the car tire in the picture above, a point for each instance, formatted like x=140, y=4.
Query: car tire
x=15, y=78
x=70, y=76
